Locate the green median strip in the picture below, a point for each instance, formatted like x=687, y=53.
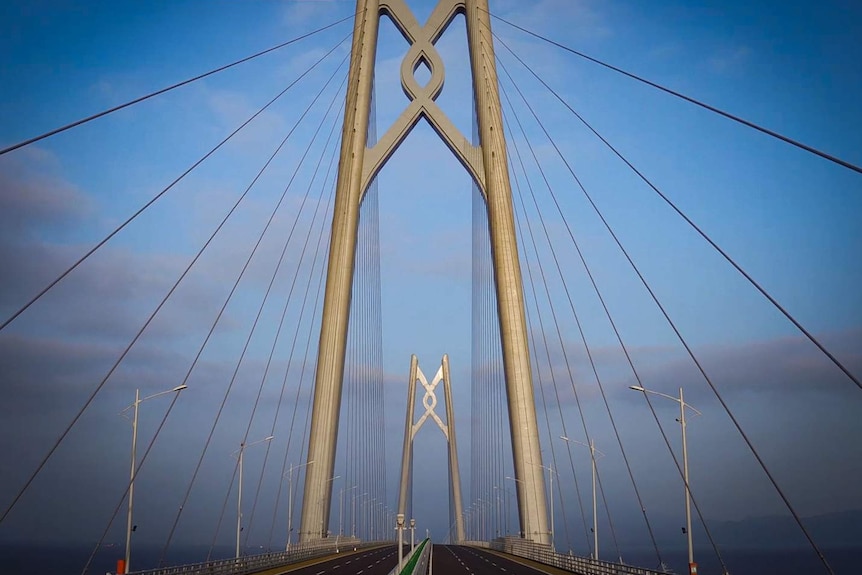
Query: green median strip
x=411, y=564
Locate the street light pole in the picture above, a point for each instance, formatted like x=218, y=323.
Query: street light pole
x=320, y=504
x=239, y=499
x=595, y=506
x=400, y=525
x=526, y=503
x=132, y=482
x=363, y=527
x=551, y=472
x=353, y=514
x=503, y=501
x=290, y=501
x=593, y=451
x=682, y=405
x=685, y=480
x=341, y=509
x=133, y=471
x=242, y=448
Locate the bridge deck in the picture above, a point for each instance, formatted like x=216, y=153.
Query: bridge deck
x=376, y=561
x=448, y=559
x=457, y=559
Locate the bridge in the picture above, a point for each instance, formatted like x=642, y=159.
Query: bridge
x=456, y=285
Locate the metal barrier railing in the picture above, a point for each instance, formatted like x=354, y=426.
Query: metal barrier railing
x=251, y=564
x=574, y=563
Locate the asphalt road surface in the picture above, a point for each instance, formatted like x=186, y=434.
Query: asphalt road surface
x=378, y=561
x=456, y=560
x=448, y=560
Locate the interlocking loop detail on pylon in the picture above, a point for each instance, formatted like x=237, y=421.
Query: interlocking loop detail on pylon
x=429, y=400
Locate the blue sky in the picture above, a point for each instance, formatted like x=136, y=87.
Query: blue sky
x=790, y=219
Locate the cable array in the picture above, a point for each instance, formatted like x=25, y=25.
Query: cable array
x=689, y=99
x=359, y=505
x=490, y=496
x=574, y=315
x=161, y=91
x=774, y=302
x=362, y=505
x=680, y=337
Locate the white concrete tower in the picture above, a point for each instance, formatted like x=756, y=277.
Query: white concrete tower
x=487, y=164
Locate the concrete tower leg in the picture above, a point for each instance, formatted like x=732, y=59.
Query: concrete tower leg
x=454, y=469
x=339, y=276
x=526, y=453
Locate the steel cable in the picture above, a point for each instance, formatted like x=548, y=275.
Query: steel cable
x=690, y=352
x=689, y=99
x=116, y=230
x=168, y=89
x=697, y=229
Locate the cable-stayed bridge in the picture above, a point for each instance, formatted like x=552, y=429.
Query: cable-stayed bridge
x=239, y=255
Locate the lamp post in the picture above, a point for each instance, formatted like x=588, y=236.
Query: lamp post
x=363, y=500
x=341, y=509
x=132, y=473
x=241, y=450
x=378, y=514
x=682, y=405
x=526, y=504
x=483, y=507
x=502, y=524
x=551, y=472
x=353, y=513
x=290, y=501
x=369, y=513
x=320, y=504
x=399, y=522
x=593, y=451
x=412, y=533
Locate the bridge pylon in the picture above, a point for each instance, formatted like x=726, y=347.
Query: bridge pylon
x=429, y=401
x=487, y=164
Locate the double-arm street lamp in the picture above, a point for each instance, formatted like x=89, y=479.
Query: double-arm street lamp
x=593, y=451
x=242, y=447
x=133, y=472
x=682, y=405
